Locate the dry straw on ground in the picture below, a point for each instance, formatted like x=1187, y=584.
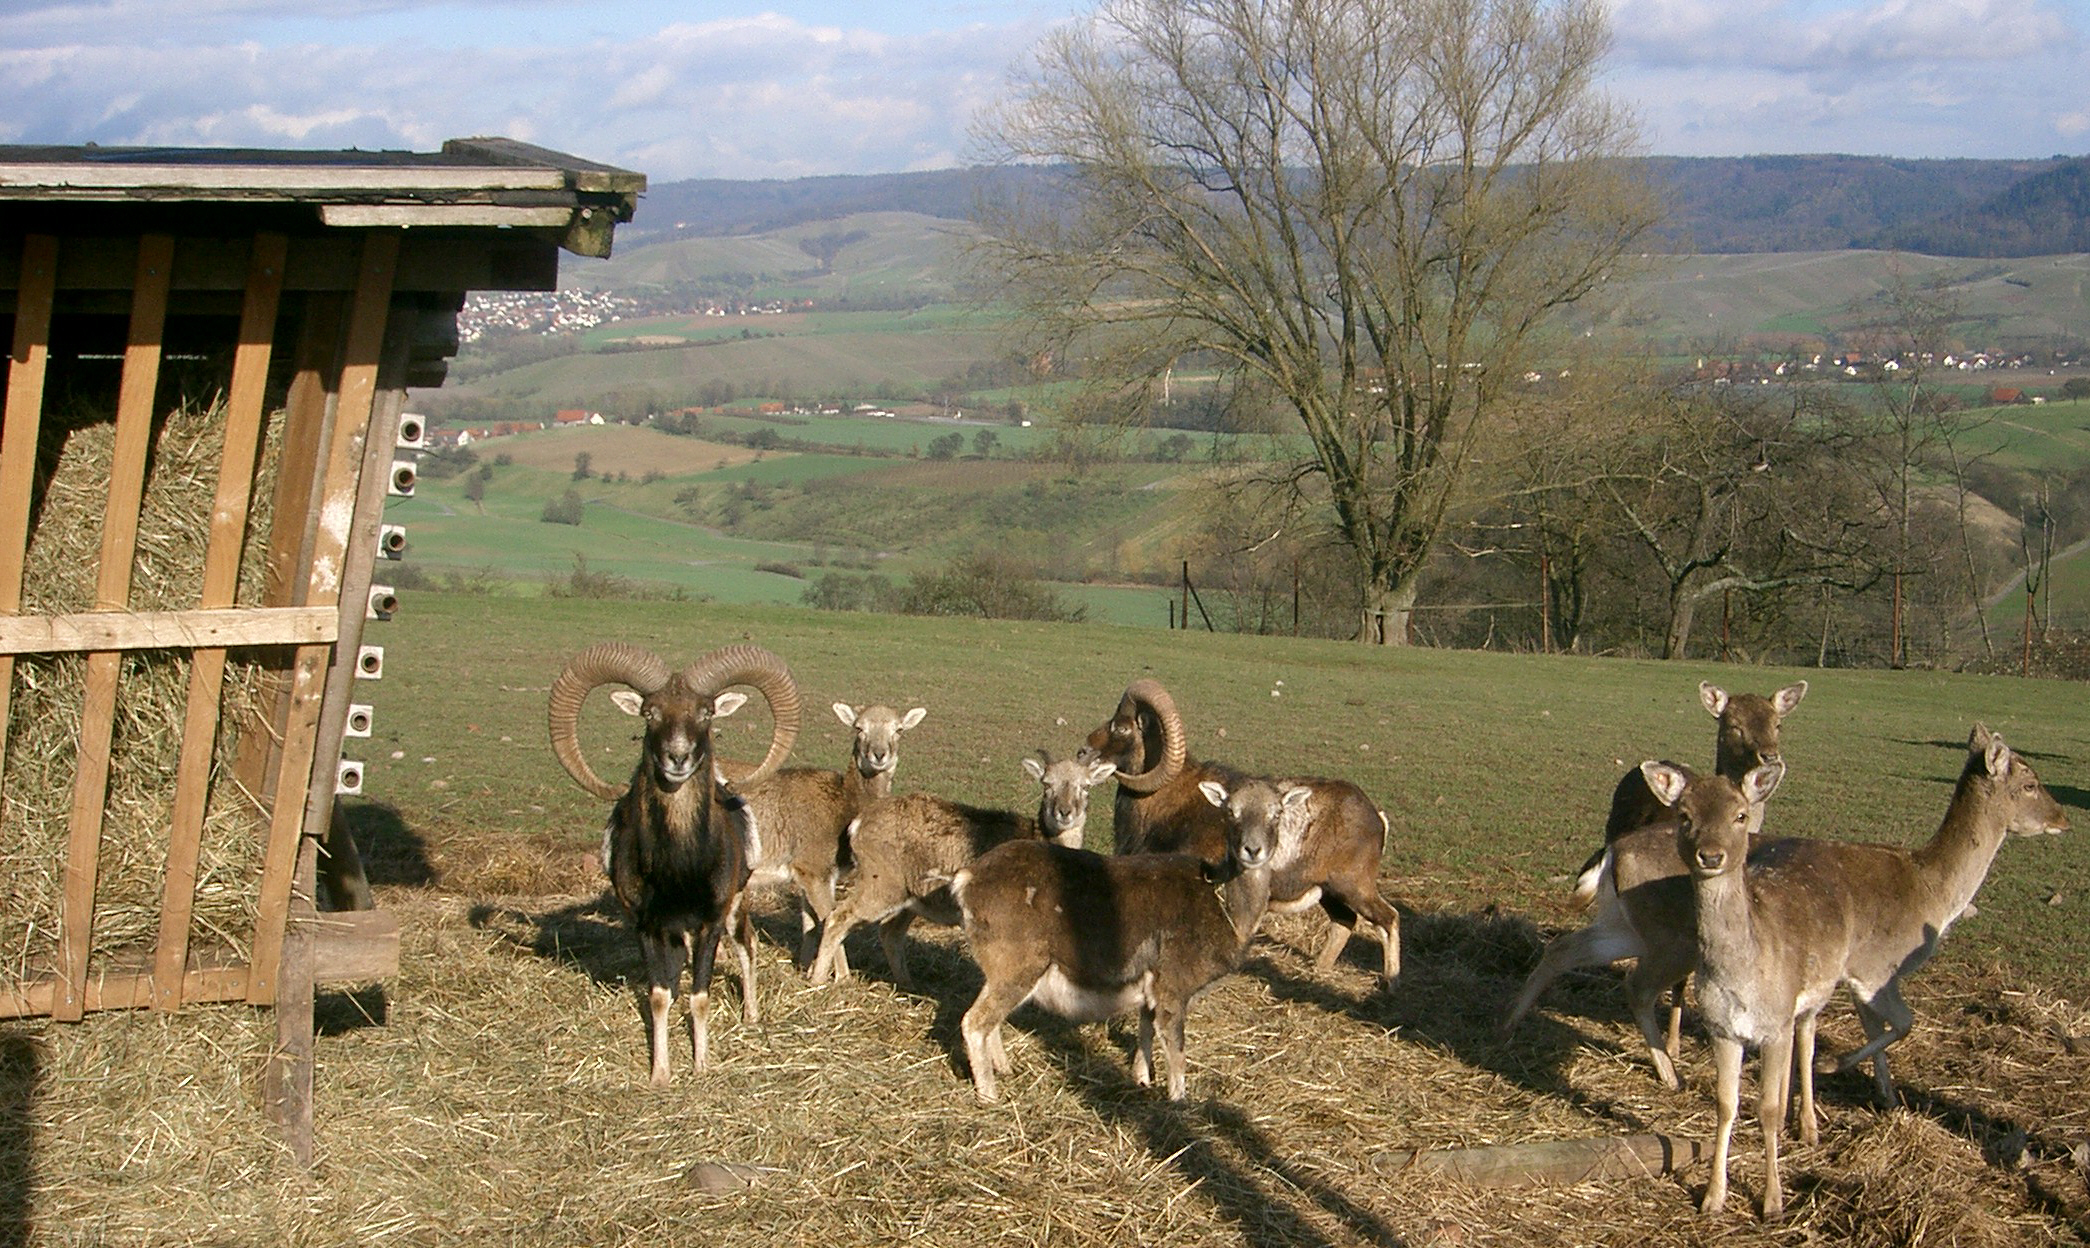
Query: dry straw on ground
x=61, y=567
x=503, y=1100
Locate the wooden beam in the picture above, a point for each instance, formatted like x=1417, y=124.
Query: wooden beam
x=1548, y=1161
x=20, y=428
x=354, y=947
x=135, y=398
x=235, y=180
x=125, y=991
x=221, y=628
x=433, y=260
x=336, y=509
x=365, y=216
x=244, y=418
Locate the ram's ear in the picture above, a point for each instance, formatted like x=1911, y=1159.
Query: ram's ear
x=727, y=703
x=626, y=700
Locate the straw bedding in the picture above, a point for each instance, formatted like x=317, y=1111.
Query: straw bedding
x=504, y=1101
x=60, y=573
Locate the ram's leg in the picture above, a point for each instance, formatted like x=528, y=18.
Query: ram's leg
x=703, y=957
x=664, y=961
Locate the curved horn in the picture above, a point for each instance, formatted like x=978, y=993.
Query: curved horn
x=752, y=665
x=600, y=664
x=1147, y=692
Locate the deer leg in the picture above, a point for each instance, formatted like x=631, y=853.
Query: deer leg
x=981, y=1028
x=740, y=929
x=1595, y=945
x=1143, y=1052
x=1674, y=1041
x=816, y=900
x=1727, y=1094
x=829, y=965
x=1803, y=1069
x=1886, y=1018
x=892, y=933
x=1170, y=1023
x=1364, y=901
x=1774, y=1081
x=1656, y=970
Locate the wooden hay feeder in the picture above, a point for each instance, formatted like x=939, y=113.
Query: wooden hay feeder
x=211, y=352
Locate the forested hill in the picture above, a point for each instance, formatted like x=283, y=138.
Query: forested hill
x=1717, y=205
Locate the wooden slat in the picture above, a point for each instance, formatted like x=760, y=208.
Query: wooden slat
x=18, y=435
x=354, y=947
x=222, y=627
x=243, y=424
x=481, y=216
x=232, y=181
x=305, y=412
x=126, y=991
x=134, y=412
x=358, y=390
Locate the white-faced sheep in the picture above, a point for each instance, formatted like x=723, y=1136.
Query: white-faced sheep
x=677, y=835
x=1333, y=862
x=1088, y=937
x=804, y=813
x=907, y=848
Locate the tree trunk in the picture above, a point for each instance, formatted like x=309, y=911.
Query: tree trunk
x=1388, y=611
x=1681, y=608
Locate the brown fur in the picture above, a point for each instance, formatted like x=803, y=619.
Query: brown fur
x=1335, y=864
x=907, y=848
x=1778, y=938
x=1088, y=936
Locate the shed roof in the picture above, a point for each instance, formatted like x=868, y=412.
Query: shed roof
x=474, y=182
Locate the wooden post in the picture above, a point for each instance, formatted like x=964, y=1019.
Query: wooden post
x=1545, y=606
x=1547, y=1161
x=24, y=419
x=136, y=393
x=1186, y=596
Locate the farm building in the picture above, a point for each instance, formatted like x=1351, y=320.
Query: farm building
x=210, y=356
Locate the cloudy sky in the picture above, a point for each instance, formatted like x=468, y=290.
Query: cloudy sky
x=743, y=89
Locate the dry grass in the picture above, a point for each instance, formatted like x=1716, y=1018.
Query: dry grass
x=503, y=1099
x=61, y=567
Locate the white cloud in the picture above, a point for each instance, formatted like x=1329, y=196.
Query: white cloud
x=1888, y=77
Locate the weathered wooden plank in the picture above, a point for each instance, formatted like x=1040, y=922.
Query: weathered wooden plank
x=305, y=413
x=1548, y=1161
x=452, y=261
x=134, y=411
x=222, y=628
x=245, y=400
x=354, y=947
x=19, y=430
x=162, y=182
x=126, y=991
x=361, y=356
x=507, y=216
x=583, y=175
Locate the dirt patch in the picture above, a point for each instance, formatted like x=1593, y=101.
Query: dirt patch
x=612, y=449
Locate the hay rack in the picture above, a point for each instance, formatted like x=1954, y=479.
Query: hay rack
x=299, y=294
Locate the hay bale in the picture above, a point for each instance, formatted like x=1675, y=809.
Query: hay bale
x=60, y=571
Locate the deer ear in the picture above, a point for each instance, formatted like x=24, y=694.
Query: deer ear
x=626, y=701
x=1789, y=697
x=1759, y=784
x=1035, y=768
x=913, y=717
x=1995, y=755
x=1214, y=792
x=727, y=703
x=1101, y=770
x=1665, y=781
x=845, y=714
x=1297, y=797
x=1714, y=697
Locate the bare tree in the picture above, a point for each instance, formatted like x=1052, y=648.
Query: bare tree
x=1368, y=208
x=1729, y=491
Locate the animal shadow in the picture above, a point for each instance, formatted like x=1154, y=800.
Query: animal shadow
x=21, y=1071
x=587, y=935
x=392, y=853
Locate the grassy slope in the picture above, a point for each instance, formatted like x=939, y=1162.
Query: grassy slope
x=1495, y=769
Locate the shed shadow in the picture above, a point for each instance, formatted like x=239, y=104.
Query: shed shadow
x=21, y=1071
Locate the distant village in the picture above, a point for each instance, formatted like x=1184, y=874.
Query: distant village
x=578, y=311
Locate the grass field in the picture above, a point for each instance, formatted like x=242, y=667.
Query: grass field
x=494, y=1090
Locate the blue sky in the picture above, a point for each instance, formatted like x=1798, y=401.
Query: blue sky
x=722, y=88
